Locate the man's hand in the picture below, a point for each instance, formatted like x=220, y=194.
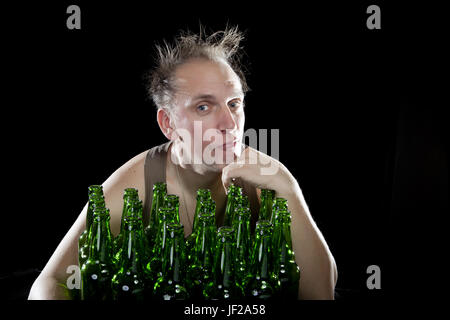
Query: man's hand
x=261, y=171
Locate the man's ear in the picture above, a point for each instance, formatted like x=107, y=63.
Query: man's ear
x=163, y=118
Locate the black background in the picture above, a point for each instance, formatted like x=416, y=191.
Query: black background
x=361, y=125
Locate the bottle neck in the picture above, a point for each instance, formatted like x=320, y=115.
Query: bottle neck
x=279, y=205
x=232, y=201
x=132, y=247
x=89, y=215
x=174, y=257
x=261, y=259
x=95, y=200
x=241, y=226
x=202, y=201
x=173, y=215
x=158, y=202
x=265, y=212
x=128, y=202
x=161, y=235
x=101, y=242
x=204, y=242
x=95, y=193
x=223, y=267
x=285, y=252
x=172, y=202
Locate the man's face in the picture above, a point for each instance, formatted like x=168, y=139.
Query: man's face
x=209, y=106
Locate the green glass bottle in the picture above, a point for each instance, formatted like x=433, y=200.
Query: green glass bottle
x=98, y=270
x=133, y=211
x=172, y=202
x=210, y=209
x=95, y=197
x=159, y=192
x=138, y=213
x=233, y=197
x=154, y=266
x=130, y=281
x=279, y=204
x=265, y=211
x=243, y=240
x=261, y=282
x=130, y=195
x=200, y=269
x=285, y=267
x=203, y=199
x=224, y=285
x=203, y=195
x=171, y=285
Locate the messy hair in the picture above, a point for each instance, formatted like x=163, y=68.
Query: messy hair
x=188, y=45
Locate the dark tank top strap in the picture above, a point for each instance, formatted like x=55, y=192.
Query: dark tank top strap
x=154, y=171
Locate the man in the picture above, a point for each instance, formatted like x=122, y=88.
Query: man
x=198, y=86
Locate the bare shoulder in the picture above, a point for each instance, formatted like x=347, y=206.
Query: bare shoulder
x=129, y=175
x=130, y=172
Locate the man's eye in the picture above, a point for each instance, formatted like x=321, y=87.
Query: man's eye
x=235, y=104
x=203, y=108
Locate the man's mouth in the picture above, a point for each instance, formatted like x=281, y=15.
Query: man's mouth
x=230, y=145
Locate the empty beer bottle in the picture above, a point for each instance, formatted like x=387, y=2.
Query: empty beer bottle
x=203, y=195
x=154, y=266
x=130, y=195
x=171, y=285
x=265, y=211
x=159, y=192
x=200, y=269
x=285, y=268
x=98, y=270
x=95, y=197
x=224, y=285
x=233, y=195
x=242, y=241
x=139, y=214
x=203, y=199
x=261, y=282
x=172, y=202
x=279, y=204
x=131, y=279
x=133, y=212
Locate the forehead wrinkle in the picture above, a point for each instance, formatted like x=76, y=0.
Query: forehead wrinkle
x=189, y=94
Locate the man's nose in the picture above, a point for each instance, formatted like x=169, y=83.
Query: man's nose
x=226, y=120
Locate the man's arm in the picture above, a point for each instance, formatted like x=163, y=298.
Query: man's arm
x=318, y=271
x=47, y=285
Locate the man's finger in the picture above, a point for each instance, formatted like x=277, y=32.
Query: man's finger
x=230, y=173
